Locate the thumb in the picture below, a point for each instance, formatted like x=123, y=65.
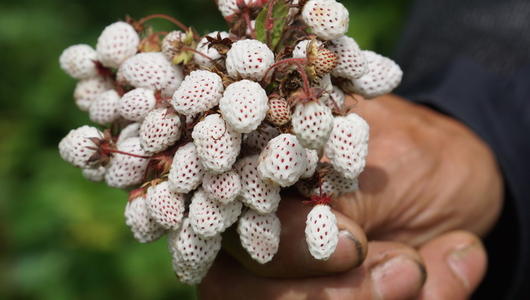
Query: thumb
x=456, y=263
x=293, y=258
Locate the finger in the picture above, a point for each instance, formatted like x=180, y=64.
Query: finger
x=456, y=263
x=293, y=258
x=390, y=271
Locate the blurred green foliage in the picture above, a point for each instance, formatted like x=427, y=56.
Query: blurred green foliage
x=62, y=237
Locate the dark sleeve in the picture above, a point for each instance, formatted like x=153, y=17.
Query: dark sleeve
x=471, y=60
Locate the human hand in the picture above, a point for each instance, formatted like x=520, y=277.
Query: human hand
x=426, y=175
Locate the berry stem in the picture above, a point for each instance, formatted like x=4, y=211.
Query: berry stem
x=107, y=149
x=305, y=80
x=136, y=193
x=269, y=21
x=197, y=52
x=246, y=15
x=170, y=19
x=160, y=33
x=285, y=61
x=130, y=154
x=299, y=63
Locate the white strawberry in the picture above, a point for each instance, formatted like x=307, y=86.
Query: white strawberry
x=351, y=61
x=334, y=100
x=224, y=187
x=283, y=161
x=186, y=170
x=312, y=123
x=328, y=19
x=131, y=130
x=165, y=207
x=175, y=80
x=259, y=235
x=334, y=184
x=143, y=226
x=78, y=146
x=160, y=129
x=79, y=61
x=192, y=254
x=256, y=193
x=322, y=61
x=170, y=41
x=117, y=42
x=326, y=85
x=95, y=174
x=205, y=215
x=126, y=170
x=150, y=70
x=279, y=112
x=300, y=50
x=312, y=162
x=209, y=217
x=104, y=109
x=249, y=59
x=229, y=8
x=204, y=48
x=217, y=143
x=86, y=90
x=382, y=77
x=321, y=232
x=244, y=105
x=231, y=213
x=190, y=273
x=136, y=104
x=120, y=79
x=259, y=138
x=347, y=145
x=294, y=9
x=199, y=92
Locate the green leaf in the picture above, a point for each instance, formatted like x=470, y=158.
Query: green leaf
x=279, y=14
x=260, y=25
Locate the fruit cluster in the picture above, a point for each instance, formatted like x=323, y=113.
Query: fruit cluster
x=205, y=131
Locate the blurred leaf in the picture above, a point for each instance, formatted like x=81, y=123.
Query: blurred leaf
x=261, y=33
x=277, y=23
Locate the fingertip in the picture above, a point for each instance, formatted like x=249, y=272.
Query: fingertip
x=352, y=246
x=455, y=260
x=360, y=244
x=469, y=263
x=396, y=271
x=398, y=278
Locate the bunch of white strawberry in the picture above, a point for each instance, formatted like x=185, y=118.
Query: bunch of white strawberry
x=205, y=131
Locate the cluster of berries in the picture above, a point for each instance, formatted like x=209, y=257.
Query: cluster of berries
x=205, y=131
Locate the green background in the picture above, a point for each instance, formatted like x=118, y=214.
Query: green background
x=62, y=237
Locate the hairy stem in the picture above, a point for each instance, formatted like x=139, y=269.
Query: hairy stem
x=269, y=21
x=285, y=61
x=246, y=15
x=170, y=19
x=198, y=53
x=107, y=149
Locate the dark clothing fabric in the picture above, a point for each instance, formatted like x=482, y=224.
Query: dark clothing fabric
x=471, y=60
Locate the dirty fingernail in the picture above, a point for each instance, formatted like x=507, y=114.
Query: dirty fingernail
x=397, y=278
